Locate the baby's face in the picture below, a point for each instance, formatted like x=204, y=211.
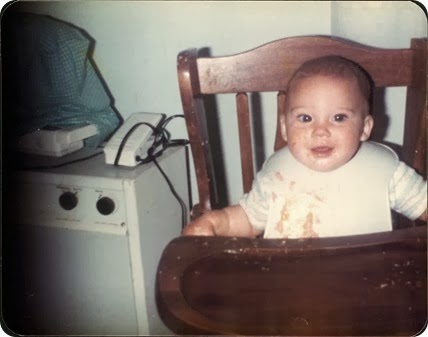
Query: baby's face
x=325, y=120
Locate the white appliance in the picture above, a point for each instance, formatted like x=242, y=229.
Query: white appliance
x=84, y=246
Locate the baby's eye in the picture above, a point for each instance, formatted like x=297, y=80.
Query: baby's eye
x=340, y=117
x=304, y=118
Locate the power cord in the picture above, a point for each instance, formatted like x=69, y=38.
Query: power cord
x=176, y=195
x=161, y=141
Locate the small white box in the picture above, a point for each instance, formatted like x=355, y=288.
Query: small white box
x=55, y=143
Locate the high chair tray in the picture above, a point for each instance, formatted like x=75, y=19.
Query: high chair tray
x=372, y=284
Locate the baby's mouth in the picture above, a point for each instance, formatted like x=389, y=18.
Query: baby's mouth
x=322, y=151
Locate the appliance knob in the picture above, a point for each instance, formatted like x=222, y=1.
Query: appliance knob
x=68, y=200
x=105, y=205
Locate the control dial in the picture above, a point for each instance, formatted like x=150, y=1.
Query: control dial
x=105, y=205
x=68, y=200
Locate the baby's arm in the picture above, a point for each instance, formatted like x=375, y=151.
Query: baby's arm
x=229, y=221
x=408, y=193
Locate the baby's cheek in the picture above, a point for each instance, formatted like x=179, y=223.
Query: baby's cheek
x=296, y=138
x=292, y=147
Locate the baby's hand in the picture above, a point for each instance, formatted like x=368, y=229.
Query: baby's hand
x=198, y=227
x=229, y=221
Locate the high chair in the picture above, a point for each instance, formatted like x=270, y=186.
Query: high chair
x=365, y=284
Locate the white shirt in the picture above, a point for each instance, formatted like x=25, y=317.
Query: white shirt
x=289, y=200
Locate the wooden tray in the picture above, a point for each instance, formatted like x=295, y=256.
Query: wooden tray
x=373, y=284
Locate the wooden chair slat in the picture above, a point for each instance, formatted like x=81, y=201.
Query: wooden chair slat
x=244, y=125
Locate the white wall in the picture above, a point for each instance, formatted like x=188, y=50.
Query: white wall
x=385, y=24
x=137, y=43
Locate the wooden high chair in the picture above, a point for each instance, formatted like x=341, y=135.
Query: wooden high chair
x=366, y=284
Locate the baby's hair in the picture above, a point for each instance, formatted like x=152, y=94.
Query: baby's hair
x=338, y=67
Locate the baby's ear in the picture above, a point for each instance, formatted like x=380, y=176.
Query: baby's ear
x=367, y=129
x=282, y=126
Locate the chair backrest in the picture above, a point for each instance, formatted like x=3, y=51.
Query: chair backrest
x=367, y=285
x=268, y=68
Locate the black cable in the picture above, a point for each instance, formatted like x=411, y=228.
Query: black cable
x=174, y=192
x=160, y=143
x=125, y=139
x=166, y=121
x=163, y=141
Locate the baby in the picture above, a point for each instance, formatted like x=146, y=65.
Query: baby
x=330, y=180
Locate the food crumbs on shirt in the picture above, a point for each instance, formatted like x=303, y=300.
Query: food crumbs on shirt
x=279, y=226
x=279, y=176
x=284, y=217
x=308, y=230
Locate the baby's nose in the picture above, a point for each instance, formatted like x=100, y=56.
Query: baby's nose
x=321, y=129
